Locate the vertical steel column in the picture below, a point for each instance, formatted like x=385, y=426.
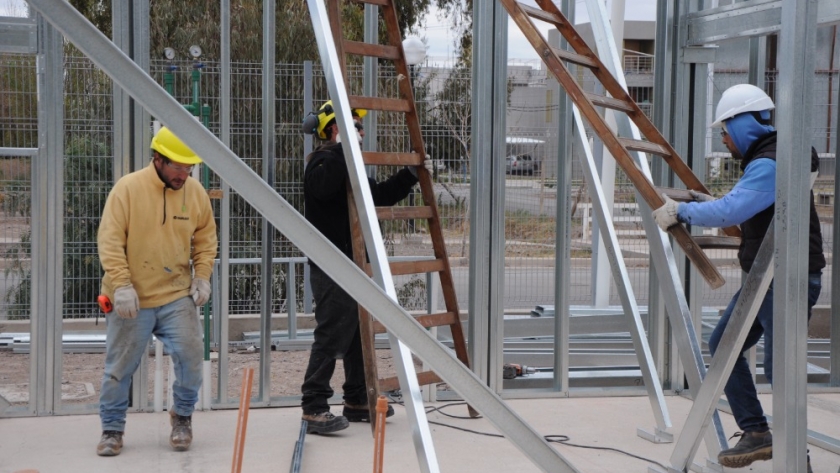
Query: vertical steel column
x=375, y=245
x=141, y=118
x=487, y=190
x=790, y=295
x=48, y=235
x=563, y=240
x=664, y=353
x=834, y=377
x=601, y=262
x=122, y=103
x=697, y=61
x=223, y=275
x=268, y=145
x=370, y=79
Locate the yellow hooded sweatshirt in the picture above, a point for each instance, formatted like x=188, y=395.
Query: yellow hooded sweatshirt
x=146, y=233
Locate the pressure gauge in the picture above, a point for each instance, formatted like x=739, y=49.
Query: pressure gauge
x=169, y=53
x=195, y=51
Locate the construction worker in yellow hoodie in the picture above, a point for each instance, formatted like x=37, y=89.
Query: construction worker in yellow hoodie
x=157, y=242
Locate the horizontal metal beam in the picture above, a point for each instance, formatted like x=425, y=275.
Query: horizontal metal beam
x=747, y=20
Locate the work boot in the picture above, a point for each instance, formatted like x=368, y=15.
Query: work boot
x=360, y=412
x=181, y=437
x=752, y=446
x=110, y=444
x=324, y=423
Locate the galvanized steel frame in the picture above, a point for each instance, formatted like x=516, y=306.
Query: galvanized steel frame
x=48, y=241
x=147, y=92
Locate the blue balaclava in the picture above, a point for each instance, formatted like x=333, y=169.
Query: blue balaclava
x=744, y=129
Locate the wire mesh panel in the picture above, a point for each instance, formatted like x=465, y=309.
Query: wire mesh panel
x=18, y=130
x=444, y=107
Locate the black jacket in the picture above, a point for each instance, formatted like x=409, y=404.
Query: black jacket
x=753, y=230
x=325, y=183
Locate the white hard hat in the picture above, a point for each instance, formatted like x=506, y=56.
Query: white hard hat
x=739, y=99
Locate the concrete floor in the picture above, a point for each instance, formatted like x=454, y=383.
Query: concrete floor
x=66, y=444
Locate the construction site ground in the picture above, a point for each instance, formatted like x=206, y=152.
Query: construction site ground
x=66, y=444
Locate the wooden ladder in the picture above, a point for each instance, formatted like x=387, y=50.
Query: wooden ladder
x=619, y=100
x=393, y=51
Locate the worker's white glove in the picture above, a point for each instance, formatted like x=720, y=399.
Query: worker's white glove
x=200, y=291
x=126, y=302
x=427, y=163
x=701, y=197
x=666, y=216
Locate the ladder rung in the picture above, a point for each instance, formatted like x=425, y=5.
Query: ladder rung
x=378, y=158
x=381, y=3
x=379, y=103
x=424, y=378
x=382, y=51
x=644, y=146
x=708, y=242
x=680, y=195
x=427, y=321
x=575, y=58
x=610, y=102
x=403, y=213
x=400, y=268
x=541, y=15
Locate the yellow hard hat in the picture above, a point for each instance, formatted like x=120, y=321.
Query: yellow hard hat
x=325, y=116
x=166, y=143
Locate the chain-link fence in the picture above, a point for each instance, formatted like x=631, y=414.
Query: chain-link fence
x=444, y=108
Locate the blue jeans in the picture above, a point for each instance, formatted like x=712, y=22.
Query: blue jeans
x=740, y=388
x=176, y=325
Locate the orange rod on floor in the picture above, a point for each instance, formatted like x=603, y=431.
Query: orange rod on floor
x=379, y=434
x=242, y=420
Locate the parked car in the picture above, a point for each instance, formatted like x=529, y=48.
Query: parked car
x=522, y=164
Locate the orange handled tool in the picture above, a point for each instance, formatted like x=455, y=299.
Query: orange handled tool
x=105, y=304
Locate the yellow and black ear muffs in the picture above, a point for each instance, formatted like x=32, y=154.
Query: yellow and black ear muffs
x=316, y=122
x=310, y=123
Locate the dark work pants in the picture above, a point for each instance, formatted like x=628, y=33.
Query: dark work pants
x=336, y=336
x=740, y=388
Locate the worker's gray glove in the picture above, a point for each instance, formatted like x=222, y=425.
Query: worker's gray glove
x=701, y=197
x=666, y=216
x=126, y=302
x=200, y=291
x=427, y=163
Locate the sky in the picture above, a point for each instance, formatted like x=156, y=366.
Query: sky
x=440, y=38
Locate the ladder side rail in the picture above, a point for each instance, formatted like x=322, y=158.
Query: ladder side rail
x=427, y=190
x=421, y=434
x=617, y=89
x=392, y=27
x=358, y=243
x=640, y=125
x=675, y=300
x=614, y=88
x=620, y=154
x=366, y=324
